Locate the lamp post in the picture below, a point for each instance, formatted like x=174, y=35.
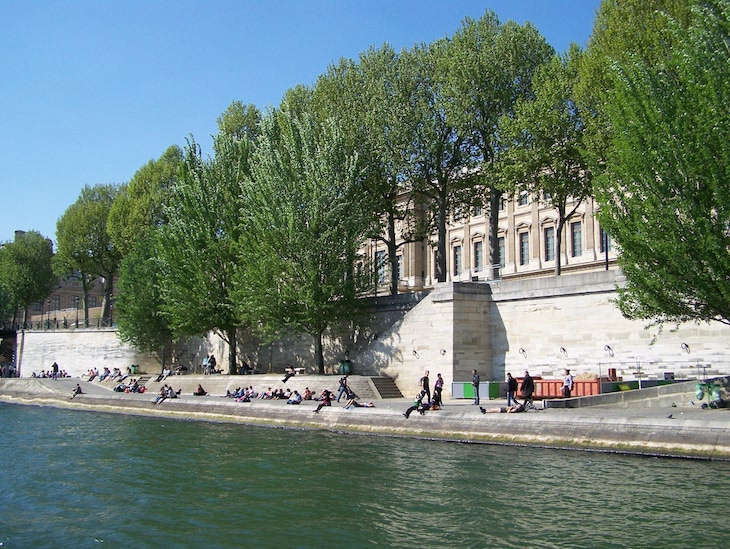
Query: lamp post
x=48, y=322
x=77, y=311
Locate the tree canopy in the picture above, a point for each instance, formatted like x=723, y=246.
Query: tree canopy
x=664, y=195
x=489, y=66
x=303, y=224
x=543, y=151
x=139, y=305
x=140, y=205
x=84, y=247
x=197, y=245
x=26, y=274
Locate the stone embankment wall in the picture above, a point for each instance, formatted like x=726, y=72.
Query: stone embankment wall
x=77, y=351
x=572, y=322
x=542, y=325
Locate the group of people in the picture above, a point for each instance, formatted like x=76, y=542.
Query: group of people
x=209, y=365
x=108, y=375
x=54, y=373
x=424, y=393
x=8, y=370
x=132, y=387
x=166, y=391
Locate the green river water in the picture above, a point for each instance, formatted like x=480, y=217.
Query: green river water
x=81, y=479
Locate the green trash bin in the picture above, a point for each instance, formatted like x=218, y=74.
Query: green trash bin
x=134, y=368
x=494, y=389
x=345, y=367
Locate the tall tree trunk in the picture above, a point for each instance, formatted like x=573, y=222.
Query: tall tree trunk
x=232, y=342
x=106, y=308
x=392, y=256
x=559, y=240
x=318, y=354
x=441, y=249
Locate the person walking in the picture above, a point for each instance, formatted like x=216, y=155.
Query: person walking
x=567, y=384
x=511, y=390
x=528, y=387
x=344, y=389
x=438, y=386
x=425, y=385
x=475, y=383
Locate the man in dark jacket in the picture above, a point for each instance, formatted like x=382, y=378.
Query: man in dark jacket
x=511, y=390
x=528, y=387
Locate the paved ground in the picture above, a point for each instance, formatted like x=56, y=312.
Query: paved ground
x=680, y=430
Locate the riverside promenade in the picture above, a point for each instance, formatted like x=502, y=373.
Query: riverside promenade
x=677, y=427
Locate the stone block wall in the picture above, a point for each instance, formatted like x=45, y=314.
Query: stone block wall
x=543, y=325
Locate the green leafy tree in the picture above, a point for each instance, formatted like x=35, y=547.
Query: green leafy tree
x=440, y=157
x=303, y=223
x=488, y=67
x=140, y=205
x=84, y=248
x=26, y=274
x=197, y=246
x=543, y=151
x=139, y=306
x=369, y=99
x=664, y=194
x=240, y=121
x=623, y=30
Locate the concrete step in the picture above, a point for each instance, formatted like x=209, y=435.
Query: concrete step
x=386, y=387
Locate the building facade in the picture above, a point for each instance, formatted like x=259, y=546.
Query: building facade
x=527, y=246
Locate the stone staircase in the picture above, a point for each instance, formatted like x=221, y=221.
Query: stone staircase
x=386, y=387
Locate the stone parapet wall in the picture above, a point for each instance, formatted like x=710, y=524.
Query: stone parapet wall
x=542, y=324
x=572, y=322
x=77, y=351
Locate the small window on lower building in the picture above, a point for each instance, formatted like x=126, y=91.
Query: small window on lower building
x=478, y=255
x=457, y=260
x=380, y=264
x=606, y=242
x=549, y=243
x=576, y=238
x=524, y=248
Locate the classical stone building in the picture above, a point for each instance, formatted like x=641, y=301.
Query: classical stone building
x=526, y=240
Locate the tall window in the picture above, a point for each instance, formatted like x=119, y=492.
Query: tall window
x=478, y=255
x=400, y=266
x=457, y=260
x=524, y=198
x=478, y=210
x=549, y=243
x=380, y=261
x=56, y=302
x=502, y=256
x=576, y=238
x=524, y=248
x=502, y=202
x=92, y=301
x=606, y=242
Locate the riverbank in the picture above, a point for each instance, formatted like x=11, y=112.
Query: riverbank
x=682, y=430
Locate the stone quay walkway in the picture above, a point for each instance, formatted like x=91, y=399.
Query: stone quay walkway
x=676, y=428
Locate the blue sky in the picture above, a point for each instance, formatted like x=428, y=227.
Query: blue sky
x=92, y=90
